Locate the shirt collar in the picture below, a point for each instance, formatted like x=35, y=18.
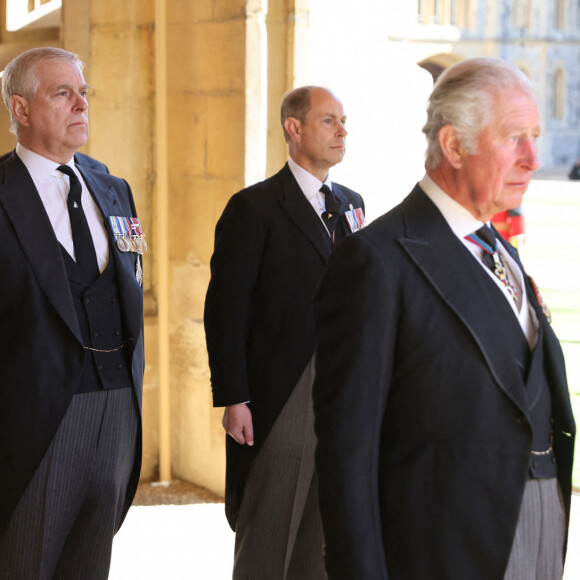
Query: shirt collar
x=38, y=166
x=460, y=220
x=309, y=184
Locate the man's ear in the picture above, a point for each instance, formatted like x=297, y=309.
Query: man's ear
x=450, y=145
x=19, y=108
x=294, y=128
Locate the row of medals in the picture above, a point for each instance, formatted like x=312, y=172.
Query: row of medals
x=135, y=244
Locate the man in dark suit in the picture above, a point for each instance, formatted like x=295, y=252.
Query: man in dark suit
x=71, y=339
x=445, y=433
x=271, y=244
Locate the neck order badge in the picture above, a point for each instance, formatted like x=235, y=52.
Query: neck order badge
x=486, y=240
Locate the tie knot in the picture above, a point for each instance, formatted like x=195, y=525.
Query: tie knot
x=331, y=203
x=487, y=235
x=66, y=169
x=75, y=188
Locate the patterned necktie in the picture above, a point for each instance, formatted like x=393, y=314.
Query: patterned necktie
x=85, y=254
x=331, y=215
x=485, y=238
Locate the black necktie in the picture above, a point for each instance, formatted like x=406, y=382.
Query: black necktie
x=487, y=235
x=332, y=204
x=85, y=254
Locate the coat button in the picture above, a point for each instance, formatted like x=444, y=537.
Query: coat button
x=119, y=366
x=99, y=367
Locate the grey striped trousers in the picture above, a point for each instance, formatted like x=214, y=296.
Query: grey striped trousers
x=64, y=524
x=279, y=530
x=537, y=551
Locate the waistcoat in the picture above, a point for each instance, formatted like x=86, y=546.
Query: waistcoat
x=540, y=414
x=98, y=309
x=536, y=388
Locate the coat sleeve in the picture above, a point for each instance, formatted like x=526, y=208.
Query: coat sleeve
x=235, y=264
x=355, y=331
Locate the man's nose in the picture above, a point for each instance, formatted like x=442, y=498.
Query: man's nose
x=530, y=154
x=81, y=103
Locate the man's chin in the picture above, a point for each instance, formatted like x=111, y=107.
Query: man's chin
x=338, y=156
x=514, y=198
x=79, y=142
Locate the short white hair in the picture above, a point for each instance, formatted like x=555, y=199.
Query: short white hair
x=463, y=97
x=19, y=76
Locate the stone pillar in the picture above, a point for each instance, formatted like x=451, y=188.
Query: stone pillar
x=116, y=41
x=287, y=28
x=207, y=164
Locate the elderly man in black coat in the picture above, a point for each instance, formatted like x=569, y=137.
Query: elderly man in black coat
x=445, y=433
x=71, y=338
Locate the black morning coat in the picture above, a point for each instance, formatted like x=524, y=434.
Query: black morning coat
x=421, y=415
x=270, y=249
x=41, y=350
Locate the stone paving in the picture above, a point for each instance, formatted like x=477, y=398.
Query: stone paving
x=194, y=542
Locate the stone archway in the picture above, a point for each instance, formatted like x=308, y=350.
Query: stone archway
x=437, y=63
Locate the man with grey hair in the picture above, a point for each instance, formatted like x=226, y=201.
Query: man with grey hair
x=271, y=244
x=71, y=339
x=445, y=433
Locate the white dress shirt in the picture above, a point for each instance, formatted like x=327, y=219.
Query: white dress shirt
x=463, y=223
x=310, y=187
x=53, y=188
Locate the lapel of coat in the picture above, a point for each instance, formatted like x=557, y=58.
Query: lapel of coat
x=451, y=270
x=20, y=199
x=109, y=203
x=300, y=211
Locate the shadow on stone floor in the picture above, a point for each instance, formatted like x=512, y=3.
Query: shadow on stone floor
x=176, y=493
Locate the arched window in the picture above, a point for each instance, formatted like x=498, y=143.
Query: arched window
x=422, y=12
x=521, y=13
x=454, y=13
x=444, y=12
x=559, y=94
x=560, y=14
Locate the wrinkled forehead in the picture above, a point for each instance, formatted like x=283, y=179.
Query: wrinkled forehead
x=515, y=108
x=56, y=74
